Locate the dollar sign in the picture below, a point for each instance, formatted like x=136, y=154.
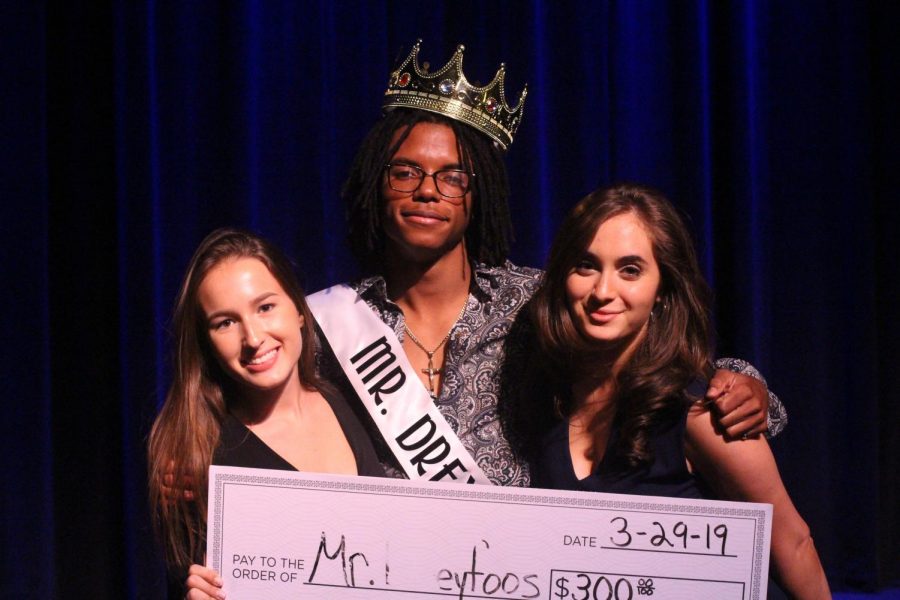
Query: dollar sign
x=563, y=588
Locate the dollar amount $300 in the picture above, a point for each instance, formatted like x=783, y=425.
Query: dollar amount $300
x=594, y=586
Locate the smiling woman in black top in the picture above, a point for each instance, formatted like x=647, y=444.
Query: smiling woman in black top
x=244, y=393
x=622, y=319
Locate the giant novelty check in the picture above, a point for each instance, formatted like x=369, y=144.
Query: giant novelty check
x=281, y=534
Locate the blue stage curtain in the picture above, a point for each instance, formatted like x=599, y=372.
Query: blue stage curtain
x=132, y=128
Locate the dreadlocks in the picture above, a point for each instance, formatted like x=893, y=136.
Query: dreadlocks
x=490, y=229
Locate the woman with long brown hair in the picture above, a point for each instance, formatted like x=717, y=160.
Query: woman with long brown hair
x=244, y=393
x=623, y=323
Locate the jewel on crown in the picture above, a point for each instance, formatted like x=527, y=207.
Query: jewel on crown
x=447, y=92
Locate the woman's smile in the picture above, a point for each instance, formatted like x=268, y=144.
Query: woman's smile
x=262, y=362
x=602, y=316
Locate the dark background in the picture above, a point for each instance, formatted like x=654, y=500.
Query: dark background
x=131, y=129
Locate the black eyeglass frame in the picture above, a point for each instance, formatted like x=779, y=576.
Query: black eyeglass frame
x=437, y=183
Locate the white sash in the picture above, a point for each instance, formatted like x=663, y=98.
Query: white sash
x=376, y=365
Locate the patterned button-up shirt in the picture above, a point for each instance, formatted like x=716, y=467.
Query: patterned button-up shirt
x=473, y=361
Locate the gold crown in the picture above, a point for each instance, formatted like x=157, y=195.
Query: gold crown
x=447, y=92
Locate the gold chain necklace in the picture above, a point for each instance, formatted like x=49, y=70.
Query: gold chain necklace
x=431, y=371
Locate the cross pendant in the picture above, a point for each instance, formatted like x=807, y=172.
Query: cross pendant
x=431, y=372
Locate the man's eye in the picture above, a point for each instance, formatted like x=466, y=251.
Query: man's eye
x=454, y=178
x=404, y=173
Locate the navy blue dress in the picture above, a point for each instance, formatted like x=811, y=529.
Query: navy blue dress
x=666, y=475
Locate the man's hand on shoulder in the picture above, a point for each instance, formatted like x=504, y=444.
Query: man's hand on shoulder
x=740, y=404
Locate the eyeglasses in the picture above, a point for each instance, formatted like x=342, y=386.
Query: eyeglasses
x=452, y=183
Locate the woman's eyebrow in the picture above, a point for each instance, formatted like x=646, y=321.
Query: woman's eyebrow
x=631, y=258
x=263, y=296
x=228, y=313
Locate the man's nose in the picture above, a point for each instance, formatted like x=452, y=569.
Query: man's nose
x=427, y=190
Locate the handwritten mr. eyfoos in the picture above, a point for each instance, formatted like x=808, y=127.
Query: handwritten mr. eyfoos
x=482, y=583
x=348, y=564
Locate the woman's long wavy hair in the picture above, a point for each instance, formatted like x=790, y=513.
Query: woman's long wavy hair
x=489, y=233
x=186, y=431
x=677, y=348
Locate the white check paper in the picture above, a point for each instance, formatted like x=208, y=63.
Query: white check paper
x=282, y=534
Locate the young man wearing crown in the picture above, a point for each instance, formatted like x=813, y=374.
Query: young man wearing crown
x=423, y=338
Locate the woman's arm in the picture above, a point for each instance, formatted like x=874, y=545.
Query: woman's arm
x=746, y=471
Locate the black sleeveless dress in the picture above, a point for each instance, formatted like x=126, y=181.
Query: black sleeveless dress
x=666, y=475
